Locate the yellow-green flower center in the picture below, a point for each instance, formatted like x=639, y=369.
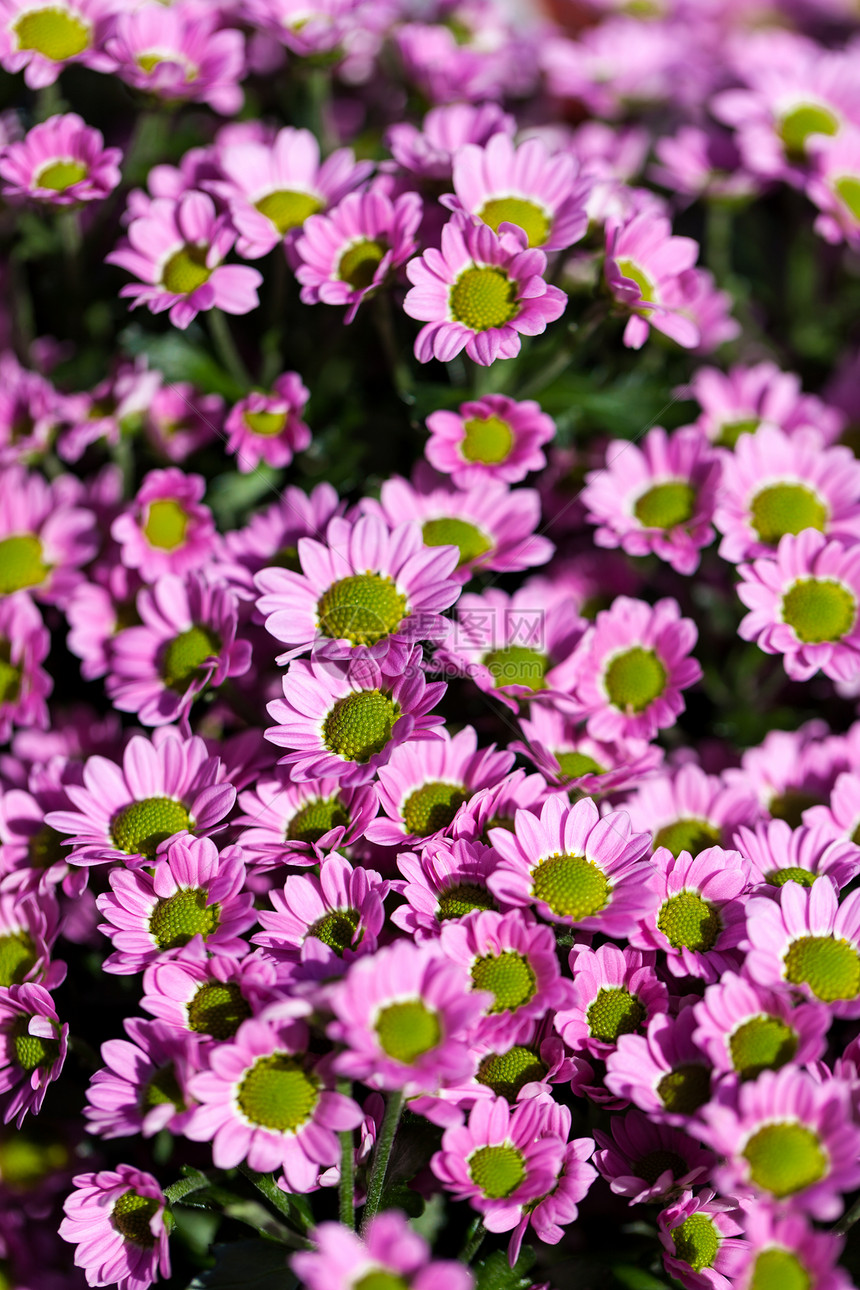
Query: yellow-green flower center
x=791, y=804
x=696, y=1241
x=665, y=506
x=359, y=263
x=506, y=1073
x=140, y=828
x=684, y=1089
x=265, y=424
x=17, y=957
x=461, y=899
x=288, y=209
x=60, y=175
x=762, y=1043
x=27, y=1158
x=162, y=1089
x=337, y=930
x=278, y=1093
x=792, y=873
x=785, y=1158
x=819, y=609
x=175, y=919
x=776, y=1269
x=316, y=818
x=786, y=508
x=218, y=1008
x=572, y=886
x=693, y=835
x=166, y=524
x=10, y=675
x=655, y=1163
x=830, y=967
x=497, y=1171
x=629, y=269
x=634, y=679
x=381, y=1279
x=517, y=665
x=614, y=1012
x=360, y=725
x=21, y=563
x=527, y=215
x=52, y=32
x=508, y=977
x=362, y=609
x=45, y=848
x=573, y=765
x=689, y=922
x=407, y=1030
x=483, y=298
x=449, y=531
x=848, y=189
x=432, y=807
x=731, y=431
x=186, y=270
x=31, y=1052
x=184, y=656
x=132, y=1215
x=487, y=439
x=802, y=121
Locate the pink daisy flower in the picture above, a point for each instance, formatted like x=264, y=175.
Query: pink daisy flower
x=210, y=996
x=116, y=1219
x=703, y=163
x=345, y=255
x=296, y=824
x=497, y=806
x=390, y=1251
x=168, y=786
x=267, y=1101
x=33, y=1045
x=785, y=1245
x=404, y=1017
x=304, y=33
x=806, y=939
x=267, y=425
x=646, y=271
x=779, y=854
x=426, y=784
x=366, y=586
x=737, y=402
x=45, y=535
x=646, y=1161
x=96, y=613
x=177, y=250
x=62, y=162
x=775, y=484
x=428, y=150
x=787, y=1137
x=448, y=880
x=834, y=187
x=687, y=810
x=840, y=817
x=42, y=38
x=178, y=420
x=702, y=1240
x=631, y=667
x=185, y=645
x=479, y=293
x=659, y=497
x=29, y=924
x=569, y=759
x=804, y=605
x=615, y=992
x=190, y=891
x=574, y=867
x=112, y=408
x=490, y=438
x=143, y=1085
x=271, y=536
x=24, y=685
x=492, y=526
x=32, y=854
x=527, y=188
x=273, y=186
x=791, y=771
x=664, y=1072
x=166, y=529
x=30, y=411
x=180, y=55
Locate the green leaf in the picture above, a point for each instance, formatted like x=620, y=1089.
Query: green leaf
x=495, y=1273
x=232, y=495
x=181, y=356
x=633, y=1278
x=247, y=1265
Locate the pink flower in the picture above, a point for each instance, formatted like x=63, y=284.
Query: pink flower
x=116, y=1219
x=571, y=760
x=702, y=1241
x=166, y=529
x=62, y=162
x=267, y=1101
x=267, y=425
x=615, y=992
x=835, y=186
x=24, y=685
x=552, y=1213
x=479, y=293
x=347, y=254
x=210, y=996
x=42, y=38
x=390, y=1249
x=33, y=1047
x=319, y=32
x=45, y=535
x=30, y=411
x=699, y=163
x=646, y=270
x=178, y=420
x=178, y=55
x=296, y=824
x=29, y=924
x=111, y=408
x=490, y=438
x=143, y=1086
x=787, y=1242
x=737, y=402
x=664, y=1072
x=429, y=151
x=804, y=605
x=840, y=817
x=646, y=1161
x=779, y=854
x=271, y=536
x=659, y=497
x=448, y=880
x=177, y=250
x=687, y=810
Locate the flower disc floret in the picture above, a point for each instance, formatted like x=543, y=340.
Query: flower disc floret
x=819, y=610
x=508, y=977
x=482, y=298
x=614, y=1012
x=571, y=885
x=21, y=563
x=507, y=1073
x=696, y=1241
x=362, y=609
x=829, y=965
x=132, y=1216
x=487, y=440
x=360, y=725
x=218, y=1009
x=687, y=921
x=185, y=655
x=141, y=827
x=634, y=680
x=177, y=918
x=52, y=32
x=785, y=1158
x=786, y=508
x=431, y=808
x=497, y=1171
x=278, y=1093
x=407, y=1030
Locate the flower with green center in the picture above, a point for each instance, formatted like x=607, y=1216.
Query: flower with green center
x=186, y=270
x=731, y=431
x=45, y=848
x=431, y=808
x=288, y=209
x=22, y=563
x=176, y=919
x=450, y=531
x=635, y=273
x=487, y=440
x=362, y=609
x=696, y=1241
x=800, y=122
x=689, y=922
x=828, y=965
x=517, y=665
x=527, y=215
x=278, y=1093
x=683, y=1090
x=762, y=1043
x=575, y=764
x=463, y=898
x=116, y=1218
x=10, y=675
x=381, y=1279
x=785, y=1158
x=407, y=1030
x=614, y=1012
x=337, y=930
x=132, y=1217
x=18, y=957
x=166, y=524
x=497, y=1171
x=777, y=1269
x=819, y=610
x=508, y=976
x=665, y=506
x=848, y=189
x=692, y=835
x=217, y=1009
x=507, y=1073
x=33, y=1053
x=162, y=1089
x=634, y=679
x=360, y=262
x=183, y=658
x=316, y=818
x=571, y=885
x=60, y=175
x=483, y=298
x=360, y=725
x=650, y=1167
x=786, y=508
x=792, y=873
x=53, y=32
x=141, y=827
x=264, y=423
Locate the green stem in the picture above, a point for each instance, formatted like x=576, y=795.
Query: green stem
x=847, y=1220
x=401, y=376
x=346, y=1187
x=380, y=1158
x=49, y=101
x=718, y=231
x=225, y=347
x=474, y=1240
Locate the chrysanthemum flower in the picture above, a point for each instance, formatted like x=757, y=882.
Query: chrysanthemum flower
x=96, y=612
x=428, y=150
x=271, y=536
x=804, y=605
x=791, y=771
x=24, y=685
x=835, y=186
x=447, y=881
x=631, y=667
x=656, y=497
x=840, y=817
x=167, y=786
x=687, y=810
x=664, y=1072
x=317, y=32
x=702, y=1240
x=143, y=1085
x=558, y=1208
x=42, y=37
x=645, y=271
x=179, y=419
x=180, y=55
x=496, y=807
x=297, y=823
x=737, y=402
x=615, y=992
x=366, y=586
x=177, y=250
x=61, y=162
x=45, y=535
x=574, y=867
x=391, y=1253
x=404, y=1017
x=33, y=1047
x=779, y=854
x=490, y=438
x=266, y=425
x=785, y=1245
x=166, y=529
x=186, y=643
x=703, y=163
x=806, y=939
x=30, y=412
x=479, y=293
x=267, y=1101
x=32, y=854
x=116, y=1219
x=569, y=759
x=210, y=996
x=28, y=929
x=646, y=1161
x=788, y=1137
x=527, y=187
x=113, y=407
x=425, y=784
x=347, y=254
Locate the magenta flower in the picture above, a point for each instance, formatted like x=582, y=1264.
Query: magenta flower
x=687, y=810
x=702, y=1241
x=111, y=408
x=840, y=817
x=267, y=425
x=166, y=529
x=569, y=759
x=180, y=55
x=429, y=151
x=24, y=685
x=272, y=535
x=646, y=1161
x=267, y=1101
x=787, y=1244
x=210, y=996
x=448, y=880
x=737, y=402
x=177, y=250
x=489, y=438
x=551, y=1214
x=664, y=1072
x=779, y=854
x=791, y=771
x=33, y=1047
x=116, y=1219
x=295, y=824
x=574, y=867
x=319, y=32
x=391, y=1249
x=479, y=293
x=179, y=420
x=804, y=605
x=647, y=270
x=834, y=186
x=42, y=38
x=615, y=992
x=344, y=256
x=30, y=411
x=143, y=1085
x=62, y=162
x=659, y=497
x=45, y=535
x=787, y=1137
x=29, y=924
